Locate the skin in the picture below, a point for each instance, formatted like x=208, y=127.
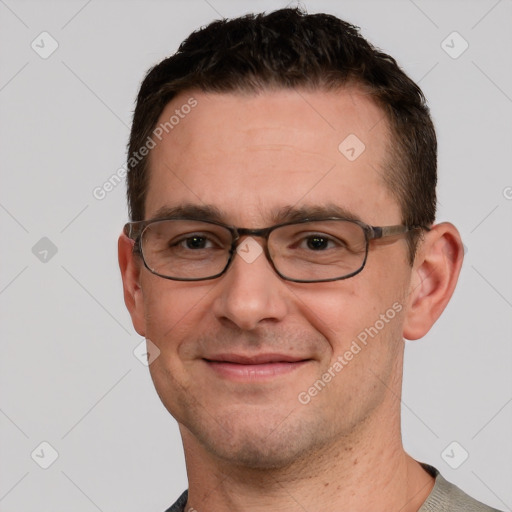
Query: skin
x=249, y=442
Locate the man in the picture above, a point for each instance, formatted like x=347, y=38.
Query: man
x=281, y=185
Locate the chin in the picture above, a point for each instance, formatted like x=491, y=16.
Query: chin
x=267, y=441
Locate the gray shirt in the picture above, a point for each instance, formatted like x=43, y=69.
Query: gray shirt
x=444, y=497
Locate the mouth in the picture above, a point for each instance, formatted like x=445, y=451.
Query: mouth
x=254, y=368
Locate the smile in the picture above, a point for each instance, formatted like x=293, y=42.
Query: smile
x=261, y=367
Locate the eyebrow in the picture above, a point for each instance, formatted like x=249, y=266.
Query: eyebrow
x=276, y=216
x=294, y=213
x=191, y=211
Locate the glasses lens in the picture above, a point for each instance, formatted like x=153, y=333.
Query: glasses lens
x=186, y=249
x=317, y=251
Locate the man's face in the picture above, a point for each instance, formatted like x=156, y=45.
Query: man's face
x=252, y=157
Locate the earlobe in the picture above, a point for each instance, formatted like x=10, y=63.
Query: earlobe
x=435, y=273
x=130, y=273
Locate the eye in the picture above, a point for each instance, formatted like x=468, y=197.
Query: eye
x=317, y=242
x=320, y=242
x=195, y=242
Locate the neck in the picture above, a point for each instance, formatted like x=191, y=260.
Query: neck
x=369, y=471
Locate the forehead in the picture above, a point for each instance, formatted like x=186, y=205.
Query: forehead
x=248, y=154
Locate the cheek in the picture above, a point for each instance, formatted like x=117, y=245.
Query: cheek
x=342, y=310
x=173, y=311
x=174, y=314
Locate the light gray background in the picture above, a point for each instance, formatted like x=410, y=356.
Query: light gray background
x=68, y=375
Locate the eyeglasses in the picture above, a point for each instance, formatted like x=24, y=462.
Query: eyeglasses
x=305, y=251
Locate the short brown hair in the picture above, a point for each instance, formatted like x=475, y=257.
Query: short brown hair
x=289, y=48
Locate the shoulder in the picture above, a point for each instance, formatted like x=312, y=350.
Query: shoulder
x=446, y=497
x=179, y=505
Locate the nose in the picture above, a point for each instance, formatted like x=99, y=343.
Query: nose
x=250, y=292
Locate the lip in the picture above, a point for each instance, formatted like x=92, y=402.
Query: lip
x=254, y=368
x=254, y=359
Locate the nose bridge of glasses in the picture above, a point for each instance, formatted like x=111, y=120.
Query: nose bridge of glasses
x=261, y=232
x=240, y=233
x=249, y=252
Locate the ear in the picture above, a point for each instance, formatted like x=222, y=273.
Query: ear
x=130, y=265
x=435, y=273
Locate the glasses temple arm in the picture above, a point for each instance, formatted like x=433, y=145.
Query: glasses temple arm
x=385, y=231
